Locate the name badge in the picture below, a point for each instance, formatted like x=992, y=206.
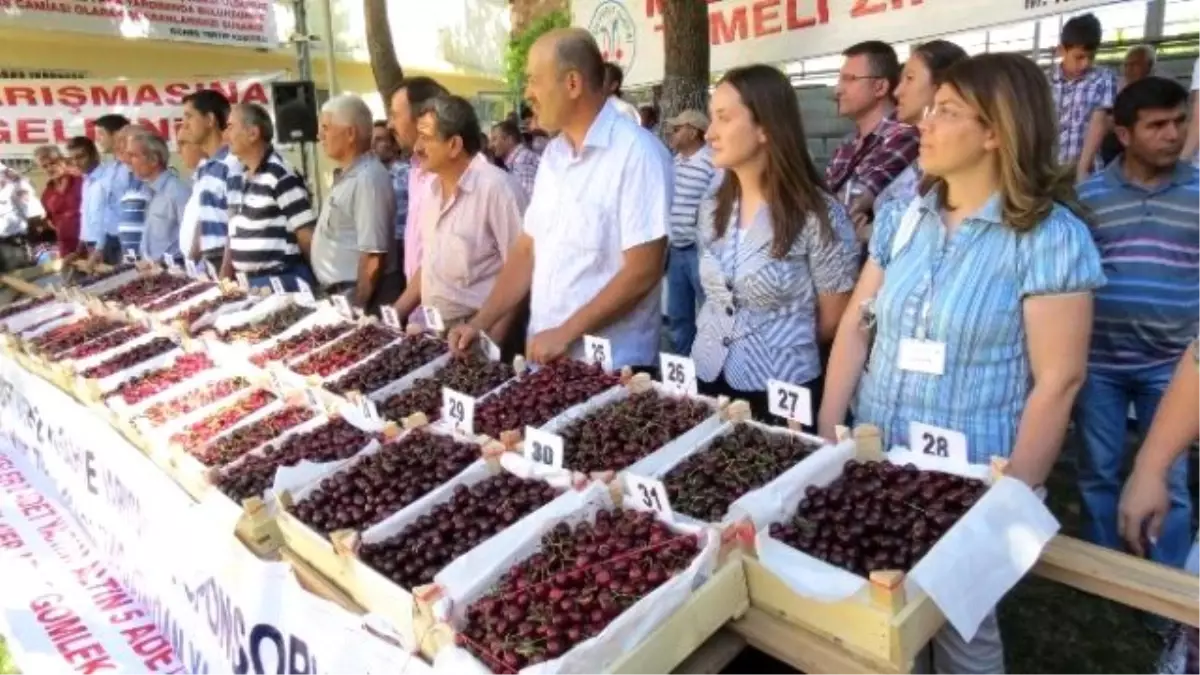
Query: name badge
x=923, y=356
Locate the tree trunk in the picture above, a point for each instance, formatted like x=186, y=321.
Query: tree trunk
x=384, y=66
x=685, y=43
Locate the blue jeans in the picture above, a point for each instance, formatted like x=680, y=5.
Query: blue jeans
x=1100, y=415
x=287, y=276
x=684, y=295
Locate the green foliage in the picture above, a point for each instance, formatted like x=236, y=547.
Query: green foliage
x=518, y=45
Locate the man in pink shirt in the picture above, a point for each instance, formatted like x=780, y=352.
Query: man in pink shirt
x=406, y=101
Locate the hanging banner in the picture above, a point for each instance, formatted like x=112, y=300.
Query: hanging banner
x=245, y=23
x=37, y=112
x=776, y=31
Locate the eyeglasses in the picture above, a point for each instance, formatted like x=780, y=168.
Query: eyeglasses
x=850, y=78
x=933, y=113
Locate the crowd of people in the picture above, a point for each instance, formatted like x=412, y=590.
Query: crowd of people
x=993, y=251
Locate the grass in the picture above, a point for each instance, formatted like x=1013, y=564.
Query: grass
x=7, y=667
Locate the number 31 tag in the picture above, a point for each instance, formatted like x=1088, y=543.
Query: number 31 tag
x=932, y=441
x=790, y=402
x=648, y=494
x=458, y=410
x=543, y=447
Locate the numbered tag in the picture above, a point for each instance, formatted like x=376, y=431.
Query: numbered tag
x=310, y=397
x=276, y=377
x=169, y=261
x=649, y=494
x=342, y=305
x=368, y=409
x=678, y=374
x=790, y=401
x=458, y=410
x=243, y=280
x=433, y=318
x=543, y=447
x=131, y=256
x=277, y=286
x=932, y=441
x=490, y=349
x=212, y=270
x=598, y=350
x=922, y=356
x=190, y=268
x=389, y=316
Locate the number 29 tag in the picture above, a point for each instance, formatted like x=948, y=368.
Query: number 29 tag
x=648, y=494
x=598, y=350
x=543, y=447
x=678, y=374
x=458, y=410
x=931, y=441
x=789, y=401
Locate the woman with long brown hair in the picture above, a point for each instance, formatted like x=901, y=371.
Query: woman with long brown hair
x=777, y=258
x=980, y=292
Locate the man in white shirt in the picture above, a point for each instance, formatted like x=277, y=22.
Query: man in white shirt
x=613, y=78
x=594, y=242
x=18, y=205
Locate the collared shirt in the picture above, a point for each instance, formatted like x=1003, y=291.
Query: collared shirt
x=903, y=189
x=399, y=173
x=523, y=163
x=1075, y=101
x=18, y=203
x=1149, y=242
x=119, y=181
x=467, y=237
x=587, y=210
x=759, y=319
x=874, y=160
x=63, y=200
x=133, y=216
x=91, y=208
x=420, y=184
x=626, y=109
x=693, y=176
x=168, y=198
x=974, y=285
x=267, y=207
x=208, y=216
x=359, y=217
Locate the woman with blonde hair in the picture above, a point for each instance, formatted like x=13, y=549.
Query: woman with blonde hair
x=979, y=293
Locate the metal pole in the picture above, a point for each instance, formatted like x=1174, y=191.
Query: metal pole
x=1155, y=20
x=304, y=57
x=330, y=51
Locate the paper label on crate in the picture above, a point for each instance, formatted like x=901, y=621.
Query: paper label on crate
x=598, y=350
x=389, y=316
x=543, y=447
x=169, y=262
x=790, y=401
x=243, y=281
x=130, y=256
x=490, y=349
x=312, y=399
x=190, y=268
x=277, y=286
x=649, y=494
x=458, y=410
x=937, y=442
x=342, y=304
x=678, y=374
x=433, y=318
x=369, y=410
x=211, y=269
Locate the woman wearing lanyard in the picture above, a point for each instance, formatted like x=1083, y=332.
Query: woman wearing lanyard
x=981, y=294
x=914, y=94
x=778, y=257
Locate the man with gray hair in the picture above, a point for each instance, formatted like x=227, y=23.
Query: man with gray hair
x=167, y=195
x=473, y=219
x=353, y=247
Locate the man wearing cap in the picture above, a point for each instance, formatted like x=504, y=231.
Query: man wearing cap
x=693, y=175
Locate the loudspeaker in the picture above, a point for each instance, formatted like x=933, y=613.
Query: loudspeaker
x=295, y=111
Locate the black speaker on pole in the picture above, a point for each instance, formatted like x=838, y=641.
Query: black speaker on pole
x=295, y=111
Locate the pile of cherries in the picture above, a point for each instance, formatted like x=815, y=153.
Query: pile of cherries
x=580, y=580
x=62, y=339
x=347, y=351
x=244, y=439
x=704, y=484
x=534, y=399
x=878, y=516
x=470, y=374
x=390, y=365
x=145, y=289
x=199, y=310
x=378, y=485
x=24, y=306
x=301, y=343
x=159, y=380
x=268, y=327
x=623, y=432
x=198, y=433
x=165, y=411
x=130, y=358
x=336, y=440
x=179, y=297
x=110, y=340
x=469, y=517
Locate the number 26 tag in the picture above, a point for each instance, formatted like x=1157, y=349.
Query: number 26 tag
x=458, y=410
x=648, y=494
x=790, y=402
x=678, y=374
x=931, y=441
x=543, y=447
x=598, y=350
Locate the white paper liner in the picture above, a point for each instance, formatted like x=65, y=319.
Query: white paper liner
x=163, y=296
x=319, y=319
x=966, y=572
x=473, y=574
x=162, y=434
x=203, y=378
x=80, y=365
x=111, y=382
x=205, y=321
x=105, y=285
x=254, y=418
x=226, y=352
x=261, y=310
x=181, y=307
x=334, y=376
x=20, y=323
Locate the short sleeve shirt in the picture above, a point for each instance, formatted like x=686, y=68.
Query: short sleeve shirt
x=359, y=217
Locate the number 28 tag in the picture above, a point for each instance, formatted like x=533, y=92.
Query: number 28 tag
x=678, y=374
x=649, y=494
x=789, y=401
x=543, y=447
x=932, y=441
x=458, y=410
x=598, y=350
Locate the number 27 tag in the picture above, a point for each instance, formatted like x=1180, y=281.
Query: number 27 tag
x=649, y=494
x=543, y=447
x=789, y=401
x=458, y=410
x=932, y=441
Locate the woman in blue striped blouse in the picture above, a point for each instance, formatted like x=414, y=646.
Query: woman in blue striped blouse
x=777, y=252
x=982, y=295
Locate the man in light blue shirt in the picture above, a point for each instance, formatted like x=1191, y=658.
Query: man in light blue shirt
x=167, y=196
x=112, y=180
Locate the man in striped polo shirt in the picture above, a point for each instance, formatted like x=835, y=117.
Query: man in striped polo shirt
x=693, y=175
x=204, y=230
x=271, y=216
x=1148, y=233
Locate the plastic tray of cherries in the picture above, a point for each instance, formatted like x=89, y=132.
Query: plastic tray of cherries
x=177, y=401
x=571, y=588
x=420, y=391
x=537, y=395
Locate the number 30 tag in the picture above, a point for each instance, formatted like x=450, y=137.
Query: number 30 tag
x=932, y=441
x=649, y=494
x=543, y=447
x=458, y=410
x=790, y=402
